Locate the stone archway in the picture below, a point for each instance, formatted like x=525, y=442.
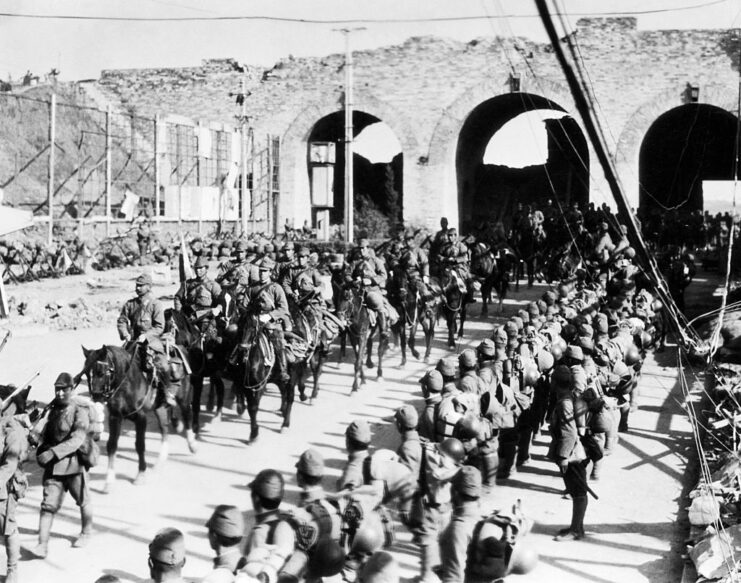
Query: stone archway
x=441, y=157
x=628, y=148
x=295, y=200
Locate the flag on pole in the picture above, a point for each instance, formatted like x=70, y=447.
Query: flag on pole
x=184, y=268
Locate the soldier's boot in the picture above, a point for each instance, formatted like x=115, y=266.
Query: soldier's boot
x=13, y=550
x=579, y=510
x=430, y=557
x=489, y=467
x=624, y=414
x=383, y=326
x=596, y=470
x=86, y=516
x=42, y=548
x=280, y=358
x=507, y=452
x=523, y=447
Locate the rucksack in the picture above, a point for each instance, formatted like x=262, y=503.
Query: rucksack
x=446, y=417
x=435, y=474
x=89, y=451
x=384, y=464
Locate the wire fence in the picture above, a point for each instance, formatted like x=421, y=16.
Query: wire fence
x=109, y=165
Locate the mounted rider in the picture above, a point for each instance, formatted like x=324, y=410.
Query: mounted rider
x=368, y=271
x=267, y=301
x=440, y=238
x=301, y=282
x=415, y=264
x=231, y=272
x=141, y=316
x=454, y=263
x=200, y=299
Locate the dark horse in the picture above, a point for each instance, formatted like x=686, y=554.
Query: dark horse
x=529, y=242
x=127, y=385
x=252, y=367
x=492, y=270
x=413, y=311
x=361, y=325
x=453, y=308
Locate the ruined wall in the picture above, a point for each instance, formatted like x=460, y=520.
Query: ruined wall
x=425, y=88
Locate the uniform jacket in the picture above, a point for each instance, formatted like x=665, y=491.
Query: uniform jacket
x=352, y=475
x=197, y=295
x=140, y=316
x=231, y=272
x=269, y=299
x=426, y=426
x=455, y=539
x=410, y=451
x=271, y=542
x=565, y=444
x=454, y=253
x=64, y=433
x=370, y=267
x=294, y=278
x=15, y=449
x=415, y=263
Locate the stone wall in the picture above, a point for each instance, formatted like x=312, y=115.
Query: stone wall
x=425, y=88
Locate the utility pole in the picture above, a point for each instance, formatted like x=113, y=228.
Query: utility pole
x=50, y=171
x=349, y=180
x=246, y=205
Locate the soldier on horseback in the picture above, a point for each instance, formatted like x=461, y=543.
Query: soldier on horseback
x=454, y=264
x=230, y=272
x=416, y=265
x=199, y=298
x=440, y=238
x=267, y=301
x=368, y=271
x=142, y=316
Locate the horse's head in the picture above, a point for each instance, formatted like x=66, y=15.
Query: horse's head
x=16, y=404
x=100, y=371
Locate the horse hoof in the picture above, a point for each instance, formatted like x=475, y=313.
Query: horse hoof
x=216, y=418
x=107, y=487
x=179, y=426
x=379, y=378
x=402, y=365
x=427, y=360
x=140, y=479
x=283, y=429
x=451, y=345
x=302, y=397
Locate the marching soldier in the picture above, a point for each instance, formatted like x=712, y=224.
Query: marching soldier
x=357, y=440
x=143, y=315
x=225, y=534
x=167, y=556
x=57, y=453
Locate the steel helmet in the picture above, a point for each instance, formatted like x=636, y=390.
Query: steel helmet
x=454, y=449
x=523, y=559
x=468, y=426
x=632, y=355
x=369, y=537
x=530, y=375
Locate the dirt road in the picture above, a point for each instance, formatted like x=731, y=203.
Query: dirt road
x=633, y=533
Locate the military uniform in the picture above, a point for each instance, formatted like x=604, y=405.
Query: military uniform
x=141, y=315
x=167, y=556
x=432, y=384
x=226, y=524
x=352, y=475
x=198, y=295
x=12, y=487
x=416, y=266
x=457, y=535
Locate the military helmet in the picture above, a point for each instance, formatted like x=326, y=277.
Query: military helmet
x=369, y=537
x=268, y=484
x=467, y=358
x=454, y=449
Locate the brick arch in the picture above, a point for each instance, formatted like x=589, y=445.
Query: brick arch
x=444, y=139
x=295, y=200
x=633, y=133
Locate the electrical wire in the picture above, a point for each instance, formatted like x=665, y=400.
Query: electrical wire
x=266, y=18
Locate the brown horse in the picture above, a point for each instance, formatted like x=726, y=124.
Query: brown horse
x=128, y=386
x=413, y=311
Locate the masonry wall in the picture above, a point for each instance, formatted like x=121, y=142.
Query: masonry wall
x=425, y=88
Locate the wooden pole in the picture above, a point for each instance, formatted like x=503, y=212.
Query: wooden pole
x=349, y=179
x=52, y=152
x=156, y=170
x=108, y=139
x=246, y=203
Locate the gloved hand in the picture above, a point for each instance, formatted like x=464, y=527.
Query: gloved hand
x=125, y=337
x=426, y=279
x=216, y=311
x=563, y=465
x=264, y=318
x=141, y=338
x=367, y=281
x=45, y=457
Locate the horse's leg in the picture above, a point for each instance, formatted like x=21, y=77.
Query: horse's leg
x=317, y=362
x=298, y=378
x=369, y=348
x=382, y=343
x=485, y=296
x=343, y=347
x=530, y=272
x=217, y=386
x=140, y=427
x=186, y=411
x=287, y=395
x=197, y=384
x=253, y=404
x=359, y=346
x=160, y=414
x=428, y=327
x=403, y=340
x=114, y=432
x=450, y=321
x=411, y=341
x=463, y=320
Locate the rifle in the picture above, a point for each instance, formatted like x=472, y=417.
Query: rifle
x=17, y=391
x=8, y=334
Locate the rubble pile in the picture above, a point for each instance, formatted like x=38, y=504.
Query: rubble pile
x=64, y=314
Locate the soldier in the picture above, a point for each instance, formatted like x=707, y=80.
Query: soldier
x=231, y=272
x=369, y=272
x=143, y=315
x=357, y=440
x=272, y=540
x=381, y=567
x=415, y=264
x=267, y=301
x=313, y=498
x=440, y=238
x=470, y=381
x=432, y=385
x=225, y=534
x=567, y=452
x=167, y=556
x=410, y=454
x=143, y=239
x=454, y=541
x=13, y=483
x=454, y=262
x=61, y=438
x=199, y=298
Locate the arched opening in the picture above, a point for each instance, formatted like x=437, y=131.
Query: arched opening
x=682, y=148
x=518, y=148
x=378, y=173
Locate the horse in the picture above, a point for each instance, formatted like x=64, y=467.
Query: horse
x=413, y=311
x=528, y=243
x=360, y=329
x=454, y=308
x=252, y=367
x=492, y=271
x=207, y=358
x=126, y=383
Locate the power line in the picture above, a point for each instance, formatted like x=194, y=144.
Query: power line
x=265, y=18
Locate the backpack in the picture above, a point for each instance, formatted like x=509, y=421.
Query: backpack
x=384, y=464
x=89, y=451
x=492, y=542
x=446, y=417
x=435, y=474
